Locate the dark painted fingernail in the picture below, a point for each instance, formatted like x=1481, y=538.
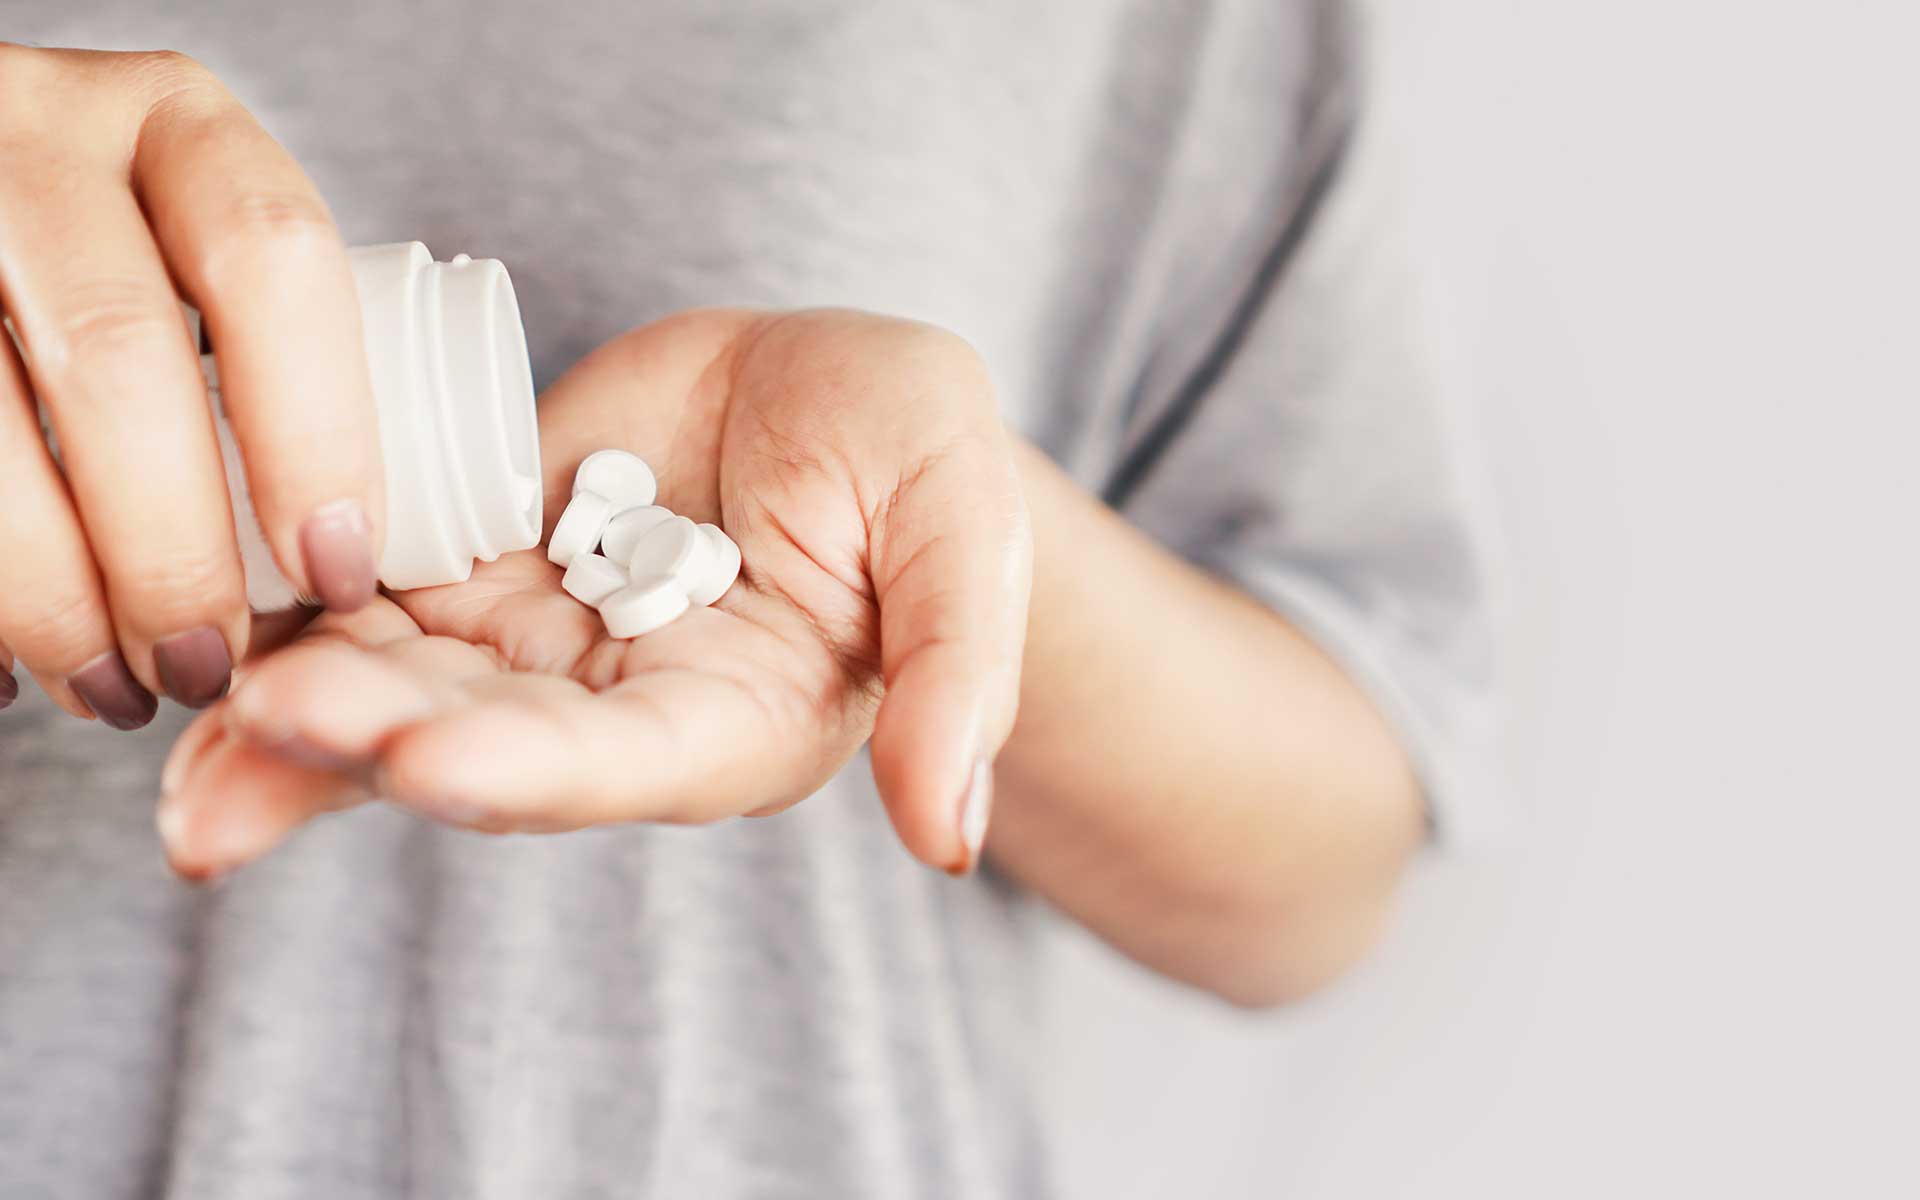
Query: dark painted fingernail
x=9, y=689
x=337, y=543
x=976, y=806
x=194, y=668
x=112, y=692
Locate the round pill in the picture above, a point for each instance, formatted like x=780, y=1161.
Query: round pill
x=625, y=529
x=674, y=547
x=591, y=578
x=723, y=567
x=579, y=528
x=643, y=607
x=622, y=478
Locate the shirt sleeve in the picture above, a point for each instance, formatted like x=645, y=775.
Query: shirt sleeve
x=1312, y=454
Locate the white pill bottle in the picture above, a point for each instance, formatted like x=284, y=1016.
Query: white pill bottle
x=458, y=432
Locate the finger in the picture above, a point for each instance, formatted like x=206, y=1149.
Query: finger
x=9, y=686
x=331, y=699
x=108, y=353
x=53, y=606
x=219, y=811
x=449, y=734
x=537, y=754
x=951, y=561
x=230, y=802
x=335, y=704
x=252, y=244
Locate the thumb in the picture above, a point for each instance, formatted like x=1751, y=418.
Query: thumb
x=951, y=556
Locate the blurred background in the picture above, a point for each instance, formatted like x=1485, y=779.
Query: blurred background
x=1672, y=253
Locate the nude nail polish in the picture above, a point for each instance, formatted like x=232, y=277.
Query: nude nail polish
x=337, y=543
x=976, y=807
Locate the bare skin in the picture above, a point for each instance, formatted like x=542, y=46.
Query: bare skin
x=1151, y=786
x=861, y=466
x=1191, y=778
x=132, y=181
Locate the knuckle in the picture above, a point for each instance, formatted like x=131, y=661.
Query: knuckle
x=102, y=318
x=261, y=230
x=172, y=591
x=173, y=62
x=62, y=634
x=16, y=61
x=281, y=218
x=59, y=90
x=29, y=78
x=937, y=341
x=944, y=355
x=164, y=74
x=22, y=66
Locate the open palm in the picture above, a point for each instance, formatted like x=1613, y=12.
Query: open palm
x=861, y=466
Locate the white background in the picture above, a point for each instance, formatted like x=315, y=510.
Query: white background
x=1674, y=245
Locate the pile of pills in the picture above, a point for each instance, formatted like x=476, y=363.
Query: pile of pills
x=650, y=565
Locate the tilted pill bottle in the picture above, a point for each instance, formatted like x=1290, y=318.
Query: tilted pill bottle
x=453, y=393
x=458, y=434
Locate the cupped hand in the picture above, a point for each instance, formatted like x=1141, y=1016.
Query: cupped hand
x=861, y=465
x=127, y=182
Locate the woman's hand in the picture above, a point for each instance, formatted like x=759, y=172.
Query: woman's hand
x=127, y=182
x=861, y=465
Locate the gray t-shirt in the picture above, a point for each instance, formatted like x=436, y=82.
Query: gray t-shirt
x=1137, y=211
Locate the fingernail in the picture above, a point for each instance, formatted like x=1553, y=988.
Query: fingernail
x=170, y=818
x=210, y=866
x=171, y=821
x=194, y=745
x=337, y=542
x=205, y=877
x=250, y=715
x=173, y=774
x=112, y=692
x=9, y=689
x=976, y=806
x=194, y=668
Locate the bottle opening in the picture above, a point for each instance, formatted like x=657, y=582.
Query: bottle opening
x=486, y=402
x=520, y=423
x=457, y=422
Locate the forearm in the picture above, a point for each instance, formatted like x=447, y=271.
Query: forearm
x=1191, y=778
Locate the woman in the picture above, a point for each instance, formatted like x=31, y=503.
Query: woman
x=1235, y=622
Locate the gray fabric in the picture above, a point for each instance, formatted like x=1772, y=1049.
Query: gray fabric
x=1100, y=196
